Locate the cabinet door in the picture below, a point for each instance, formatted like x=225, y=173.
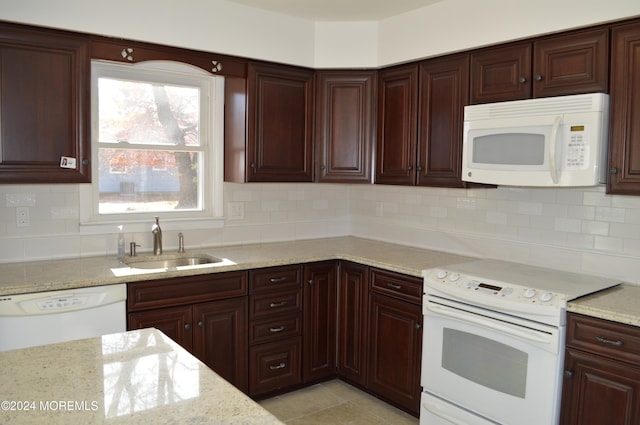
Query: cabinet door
x=319, y=312
x=395, y=339
x=397, y=127
x=444, y=91
x=175, y=322
x=599, y=391
x=280, y=123
x=352, y=317
x=624, y=140
x=44, y=106
x=345, y=123
x=571, y=64
x=501, y=73
x=220, y=338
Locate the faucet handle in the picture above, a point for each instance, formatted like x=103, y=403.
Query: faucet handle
x=132, y=249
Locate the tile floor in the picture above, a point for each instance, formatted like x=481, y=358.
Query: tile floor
x=334, y=402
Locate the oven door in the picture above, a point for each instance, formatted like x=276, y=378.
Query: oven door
x=501, y=367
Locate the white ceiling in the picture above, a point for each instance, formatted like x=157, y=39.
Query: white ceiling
x=339, y=10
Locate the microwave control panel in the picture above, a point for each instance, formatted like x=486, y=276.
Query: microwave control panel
x=576, y=152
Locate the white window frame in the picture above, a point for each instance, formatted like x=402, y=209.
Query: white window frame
x=211, y=133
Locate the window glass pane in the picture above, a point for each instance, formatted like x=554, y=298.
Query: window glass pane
x=139, y=112
x=486, y=362
x=132, y=180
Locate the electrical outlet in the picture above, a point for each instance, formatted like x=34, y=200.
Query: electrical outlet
x=22, y=217
x=235, y=211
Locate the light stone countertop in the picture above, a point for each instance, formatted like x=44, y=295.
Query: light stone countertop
x=619, y=304
x=39, y=276
x=130, y=378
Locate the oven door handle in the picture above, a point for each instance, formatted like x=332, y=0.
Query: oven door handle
x=514, y=330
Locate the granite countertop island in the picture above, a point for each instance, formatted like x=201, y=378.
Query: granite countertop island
x=130, y=378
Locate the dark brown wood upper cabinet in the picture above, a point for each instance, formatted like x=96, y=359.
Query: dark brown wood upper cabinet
x=44, y=105
x=345, y=125
x=279, y=123
x=397, y=125
x=570, y=63
x=501, y=73
x=444, y=91
x=624, y=136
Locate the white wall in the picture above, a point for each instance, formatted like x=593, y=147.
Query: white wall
x=346, y=45
x=225, y=27
x=211, y=25
x=453, y=25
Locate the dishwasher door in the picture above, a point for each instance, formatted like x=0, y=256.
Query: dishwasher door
x=28, y=320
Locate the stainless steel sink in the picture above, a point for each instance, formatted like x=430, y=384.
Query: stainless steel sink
x=181, y=262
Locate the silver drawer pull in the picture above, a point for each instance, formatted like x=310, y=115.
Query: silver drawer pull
x=608, y=341
x=276, y=305
x=394, y=286
x=278, y=366
x=278, y=329
x=277, y=279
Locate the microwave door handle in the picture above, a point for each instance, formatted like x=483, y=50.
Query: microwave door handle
x=517, y=331
x=552, y=149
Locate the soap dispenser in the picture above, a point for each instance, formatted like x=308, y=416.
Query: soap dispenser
x=120, y=244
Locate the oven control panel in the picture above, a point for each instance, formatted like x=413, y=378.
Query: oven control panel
x=481, y=287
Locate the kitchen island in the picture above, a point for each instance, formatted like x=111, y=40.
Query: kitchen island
x=136, y=377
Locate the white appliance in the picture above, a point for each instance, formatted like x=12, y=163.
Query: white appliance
x=555, y=141
x=493, y=342
x=28, y=320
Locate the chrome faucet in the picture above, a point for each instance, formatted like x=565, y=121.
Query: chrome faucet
x=157, y=237
x=180, y=243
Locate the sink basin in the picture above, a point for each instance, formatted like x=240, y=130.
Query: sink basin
x=182, y=262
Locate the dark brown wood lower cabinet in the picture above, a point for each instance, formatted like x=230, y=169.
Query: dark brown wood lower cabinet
x=275, y=341
x=207, y=315
x=352, y=315
x=395, y=341
x=319, y=312
x=220, y=338
x=600, y=391
x=215, y=332
x=601, y=373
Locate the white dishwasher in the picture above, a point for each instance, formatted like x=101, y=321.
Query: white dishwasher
x=40, y=318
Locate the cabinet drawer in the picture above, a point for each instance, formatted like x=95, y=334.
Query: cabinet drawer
x=275, y=304
x=611, y=339
x=185, y=290
x=400, y=286
x=275, y=278
x=274, y=329
x=274, y=365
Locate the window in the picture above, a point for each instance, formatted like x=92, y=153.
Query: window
x=156, y=142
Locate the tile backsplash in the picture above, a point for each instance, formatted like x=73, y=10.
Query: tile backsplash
x=573, y=229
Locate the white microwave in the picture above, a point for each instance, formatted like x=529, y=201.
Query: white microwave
x=556, y=141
